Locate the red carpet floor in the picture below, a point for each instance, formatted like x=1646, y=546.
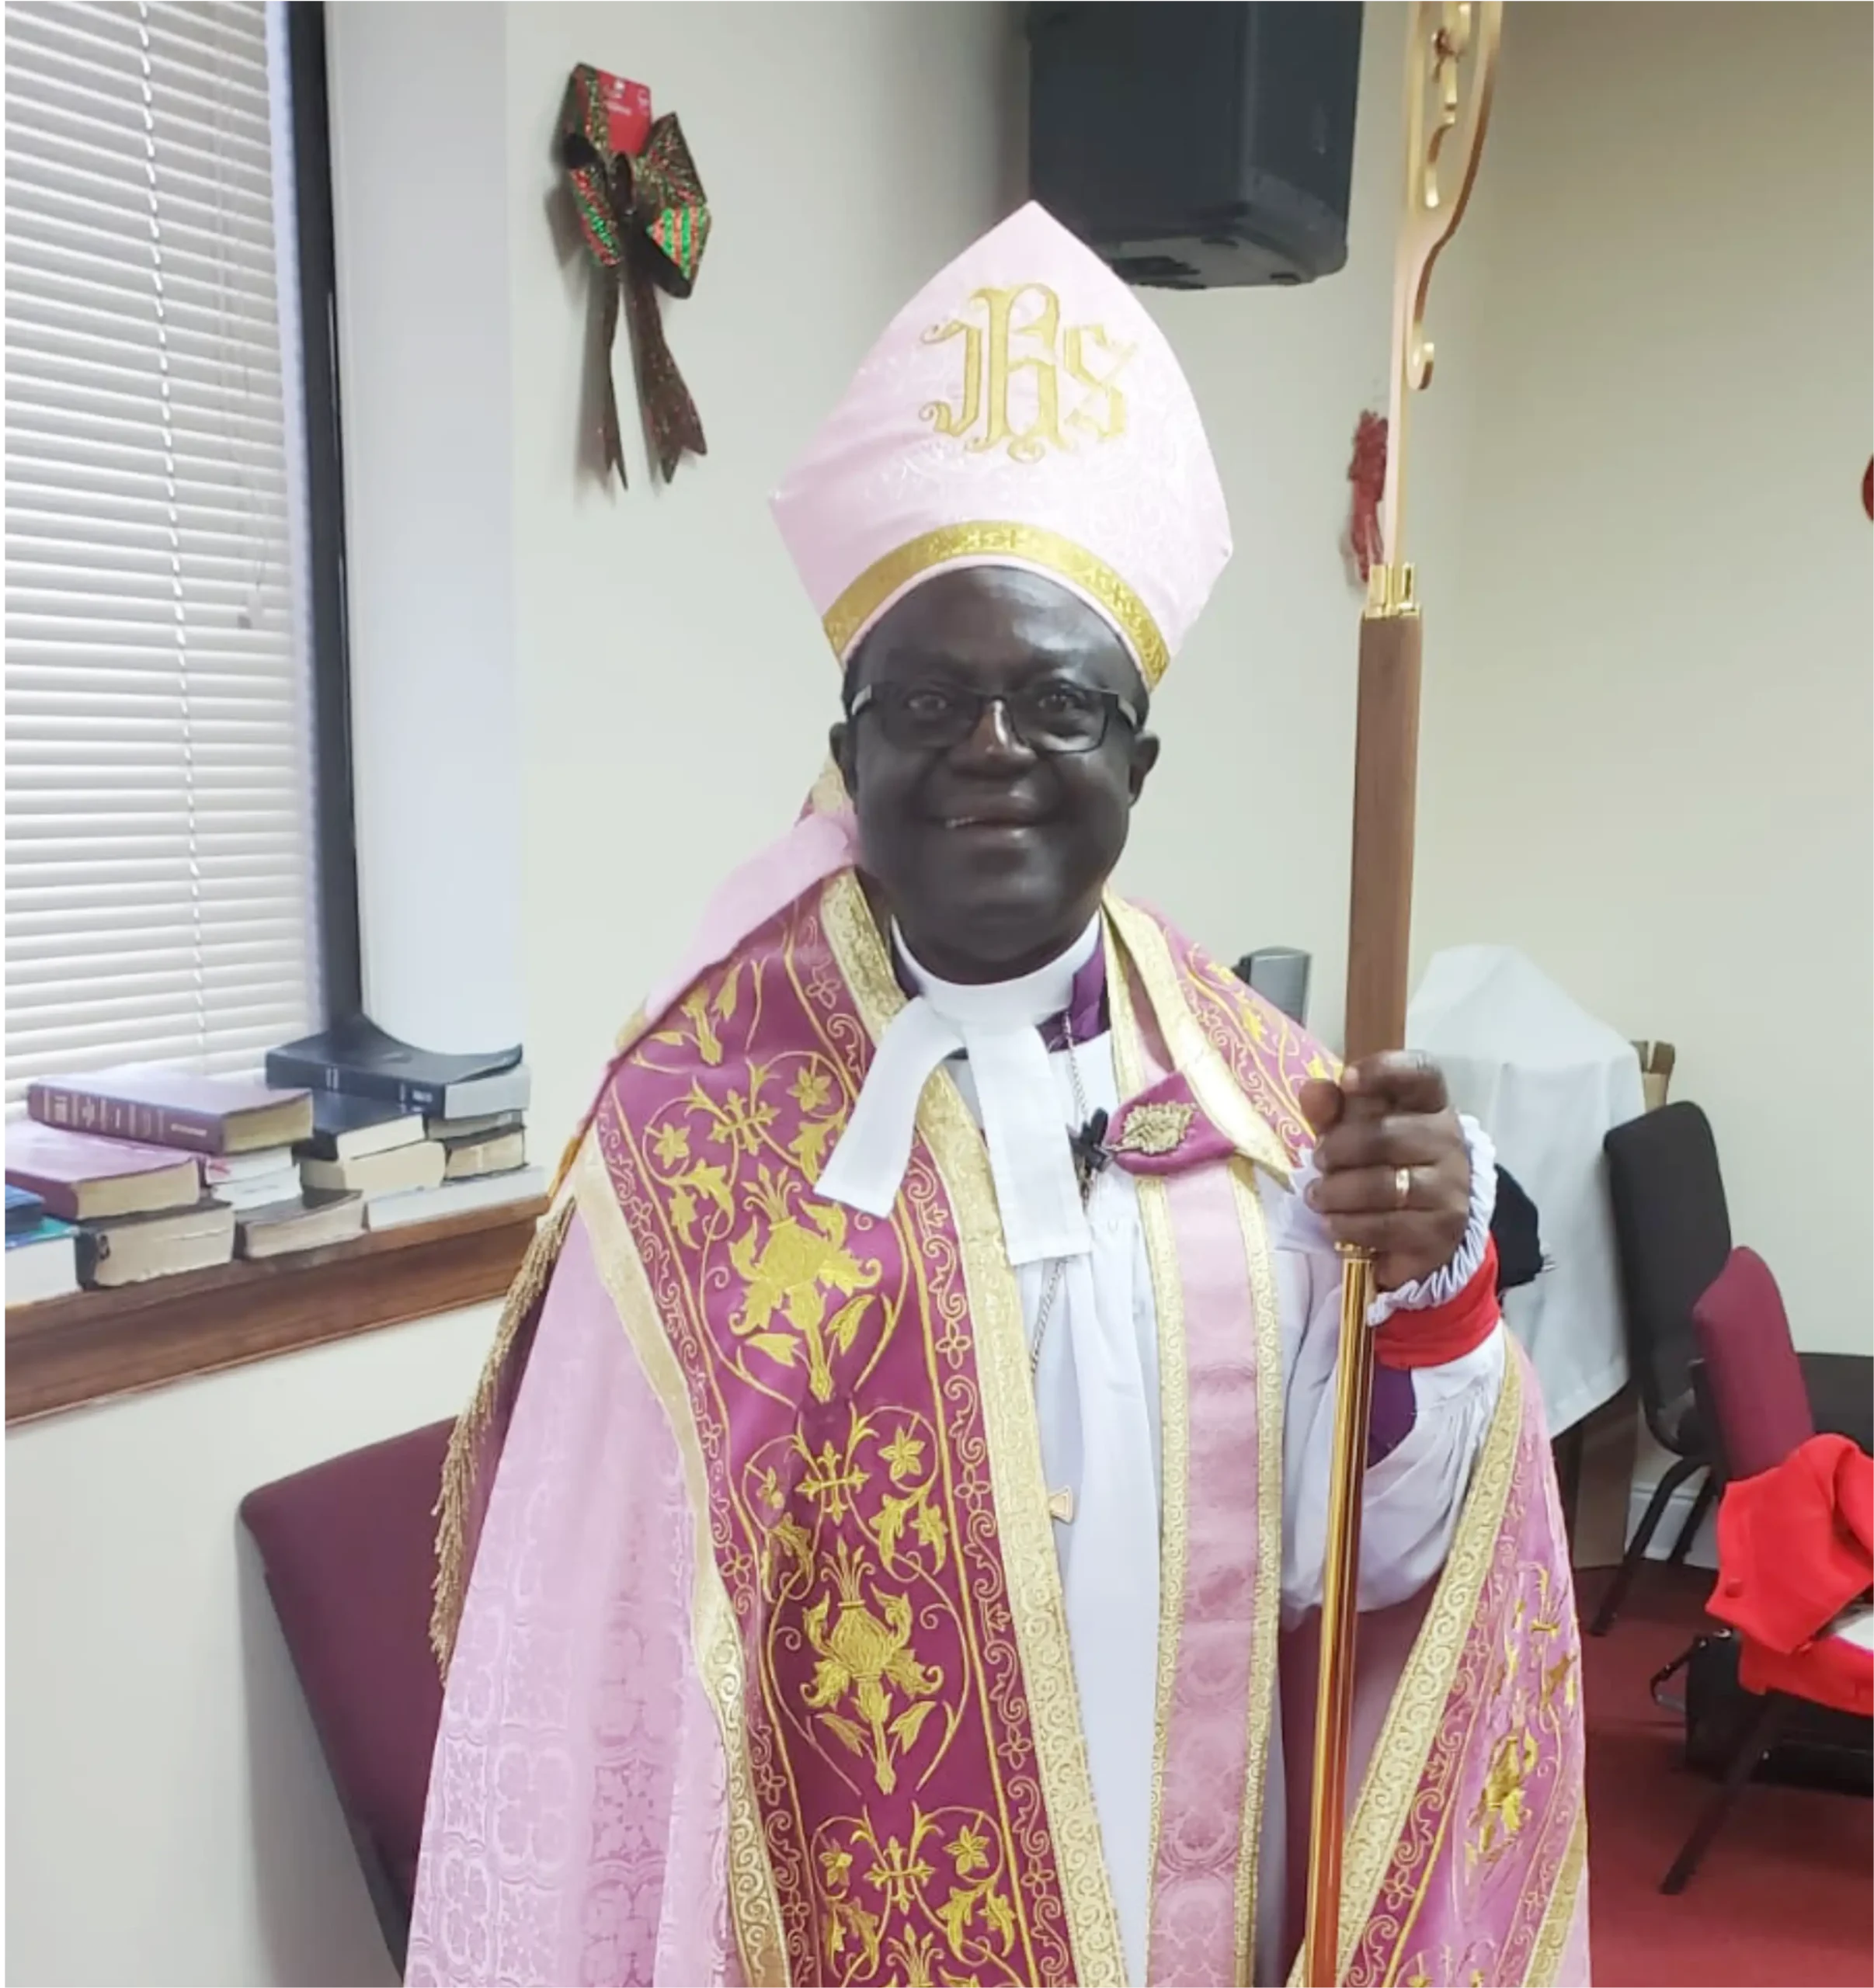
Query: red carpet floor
x=1786, y=1896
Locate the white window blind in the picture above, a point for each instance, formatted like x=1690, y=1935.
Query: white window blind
x=160, y=857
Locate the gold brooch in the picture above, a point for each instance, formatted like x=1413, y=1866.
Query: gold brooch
x=1154, y=1130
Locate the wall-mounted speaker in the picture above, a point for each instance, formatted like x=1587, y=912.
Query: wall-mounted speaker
x=1194, y=146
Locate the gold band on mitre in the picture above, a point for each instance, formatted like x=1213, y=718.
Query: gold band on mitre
x=985, y=543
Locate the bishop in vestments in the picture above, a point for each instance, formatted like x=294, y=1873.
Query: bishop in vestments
x=886, y=1544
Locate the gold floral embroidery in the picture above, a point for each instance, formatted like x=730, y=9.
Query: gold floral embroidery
x=954, y=1924
x=865, y=1656
x=800, y=1262
x=699, y=1011
x=1053, y=1829
x=1154, y=1130
x=842, y=1558
x=1502, y=1801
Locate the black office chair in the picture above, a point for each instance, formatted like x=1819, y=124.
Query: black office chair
x=1672, y=1229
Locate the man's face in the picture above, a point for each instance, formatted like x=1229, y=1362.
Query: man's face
x=991, y=854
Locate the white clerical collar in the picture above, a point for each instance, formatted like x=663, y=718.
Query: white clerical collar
x=998, y=1026
x=1028, y=1000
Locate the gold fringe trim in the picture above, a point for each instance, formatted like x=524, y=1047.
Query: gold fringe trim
x=451, y=1511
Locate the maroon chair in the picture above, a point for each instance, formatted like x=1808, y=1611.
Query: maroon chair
x=349, y=1551
x=1751, y=1390
x=1753, y=1373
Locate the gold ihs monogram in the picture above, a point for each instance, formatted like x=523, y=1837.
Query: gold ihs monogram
x=1014, y=345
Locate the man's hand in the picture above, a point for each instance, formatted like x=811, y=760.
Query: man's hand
x=1387, y=1125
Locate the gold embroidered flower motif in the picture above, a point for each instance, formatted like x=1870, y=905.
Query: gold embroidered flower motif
x=812, y=1088
x=905, y=1453
x=794, y=1272
x=790, y=1544
x=1154, y=1130
x=865, y=1657
x=846, y=1919
x=696, y=1009
x=671, y=1145
x=974, y=1893
x=914, y=1954
x=1558, y=1678
x=970, y=1852
x=1502, y=1806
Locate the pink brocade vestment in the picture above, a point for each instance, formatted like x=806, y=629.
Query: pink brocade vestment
x=761, y=1672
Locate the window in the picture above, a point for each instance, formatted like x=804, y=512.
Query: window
x=178, y=886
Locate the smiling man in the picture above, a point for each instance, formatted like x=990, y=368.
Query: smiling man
x=886, y=1546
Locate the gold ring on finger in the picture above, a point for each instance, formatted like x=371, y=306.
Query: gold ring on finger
x=1401, y=1185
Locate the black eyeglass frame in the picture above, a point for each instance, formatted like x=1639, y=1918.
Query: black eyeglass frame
x=871, y=697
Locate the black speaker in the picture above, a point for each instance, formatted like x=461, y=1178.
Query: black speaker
x=1197, y=146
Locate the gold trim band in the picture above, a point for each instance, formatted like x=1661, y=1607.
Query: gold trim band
x=754, y=1901
x=1558, y=1921
x=1260, y=1263
x=1410, y=1728
x=1174, y=1397
x=985, y=542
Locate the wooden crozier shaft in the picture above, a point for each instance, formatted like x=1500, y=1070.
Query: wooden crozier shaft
x=1386, y=786
x=1385, y=801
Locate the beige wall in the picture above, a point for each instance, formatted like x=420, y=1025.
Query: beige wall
x=1650, y=743
x=168, y=1818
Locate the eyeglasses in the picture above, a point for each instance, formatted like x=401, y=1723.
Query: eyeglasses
x=1053, y=717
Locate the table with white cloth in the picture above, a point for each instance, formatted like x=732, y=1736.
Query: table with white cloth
x=1548, y=1081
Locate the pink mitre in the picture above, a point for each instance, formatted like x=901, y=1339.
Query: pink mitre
x=1023, y=410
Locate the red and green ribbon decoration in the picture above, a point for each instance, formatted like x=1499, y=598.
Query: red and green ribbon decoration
x=645, y=221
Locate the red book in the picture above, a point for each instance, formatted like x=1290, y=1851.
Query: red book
x=85, y=1178
x=165, y=1107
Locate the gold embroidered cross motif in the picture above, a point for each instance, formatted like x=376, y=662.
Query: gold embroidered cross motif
x=905, y=1877
x=1154, y=1130
x=1000, y=349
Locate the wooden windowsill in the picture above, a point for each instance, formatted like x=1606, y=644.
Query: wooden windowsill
x=100, y=1344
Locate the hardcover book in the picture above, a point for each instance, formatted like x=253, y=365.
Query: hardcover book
x=347, y=1127
x=87, y=1179
x=166, y=1107
x=359, y=1058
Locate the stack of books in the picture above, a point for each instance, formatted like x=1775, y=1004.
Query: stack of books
x=417, y=1135
x=145, y=1171
x=161, y=1171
